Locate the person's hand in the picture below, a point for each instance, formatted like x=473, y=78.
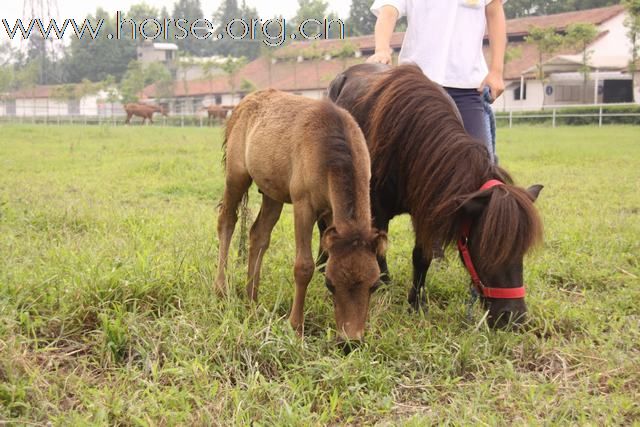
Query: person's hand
x=383, y=57
x=495, y=82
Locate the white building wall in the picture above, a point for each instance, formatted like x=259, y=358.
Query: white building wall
x=89, y=105
x=614, y=44
x=534, y=100
x=43, y=107
x=637, y=88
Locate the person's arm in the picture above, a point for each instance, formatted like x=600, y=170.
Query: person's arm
x=385, y=25
x=497, y=27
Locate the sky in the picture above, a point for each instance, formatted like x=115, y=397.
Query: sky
x=13, y=9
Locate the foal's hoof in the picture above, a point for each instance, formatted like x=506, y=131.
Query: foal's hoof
x=348, y=347
x=220, y=289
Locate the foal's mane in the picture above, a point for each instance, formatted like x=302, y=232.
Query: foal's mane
x=415, y=135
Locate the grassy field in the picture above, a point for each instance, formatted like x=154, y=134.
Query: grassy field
x=107, y=317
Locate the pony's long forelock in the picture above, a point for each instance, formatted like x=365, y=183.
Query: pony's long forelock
x=415, y=134
x=508, y=228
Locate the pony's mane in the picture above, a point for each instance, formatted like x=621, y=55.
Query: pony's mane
x=416, y=136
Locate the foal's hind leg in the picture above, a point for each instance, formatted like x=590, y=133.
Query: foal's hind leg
x=421, y=262
x=260, y=237
x=235, y=188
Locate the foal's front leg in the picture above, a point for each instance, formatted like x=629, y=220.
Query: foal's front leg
x=304, y=266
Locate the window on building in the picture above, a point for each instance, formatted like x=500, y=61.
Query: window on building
x=218, y=99
x=198, y=103
x=517, y=96
x=617, y=91
x=168, y=55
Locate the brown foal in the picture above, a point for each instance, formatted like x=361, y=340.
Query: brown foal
x=311, y=154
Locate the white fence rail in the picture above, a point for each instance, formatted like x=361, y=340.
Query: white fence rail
x=551, y=115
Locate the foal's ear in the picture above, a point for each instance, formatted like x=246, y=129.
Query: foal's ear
x=329, y=237
x=534, y=191
x=380, y=243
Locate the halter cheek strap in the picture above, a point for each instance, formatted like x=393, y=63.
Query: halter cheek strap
x=463, y=247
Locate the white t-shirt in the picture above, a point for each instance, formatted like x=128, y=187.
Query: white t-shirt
x=444, y=38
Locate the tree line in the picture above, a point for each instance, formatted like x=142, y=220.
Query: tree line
x=114, y=62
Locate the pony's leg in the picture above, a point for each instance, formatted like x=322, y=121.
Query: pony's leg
x=382, y=224
x=304, y=266
x=421, y=262
x=128, y=119
x=235, y=189
x=259, y=239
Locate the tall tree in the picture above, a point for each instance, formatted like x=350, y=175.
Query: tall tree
x=361, y=21
x=139, y=76
x=547, y=42
x=582, y=35
x=191, y=11
x=312, y=9
x=229, y=13
x=632, y=22
x=97, y=59
x=232, y=66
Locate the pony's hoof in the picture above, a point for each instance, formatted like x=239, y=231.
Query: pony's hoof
x=418, y=303
x=385, y=279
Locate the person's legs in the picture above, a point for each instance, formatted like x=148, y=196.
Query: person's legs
x=490, y=117
x=471, y=107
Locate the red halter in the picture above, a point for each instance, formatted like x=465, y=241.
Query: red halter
x=463, y=246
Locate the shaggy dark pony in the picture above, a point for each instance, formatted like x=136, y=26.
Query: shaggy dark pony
x=425, y=164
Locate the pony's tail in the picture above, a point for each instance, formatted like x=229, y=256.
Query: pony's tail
x=245, y=212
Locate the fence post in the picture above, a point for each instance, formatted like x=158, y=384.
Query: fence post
x=510, y=119
x=554, y=118
x=600, y=118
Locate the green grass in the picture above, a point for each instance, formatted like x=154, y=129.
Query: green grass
x=107, y=315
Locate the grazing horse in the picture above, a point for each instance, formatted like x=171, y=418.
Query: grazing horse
x=217, y=112
x=146, y=111
x=311, y=154
x=425, y=164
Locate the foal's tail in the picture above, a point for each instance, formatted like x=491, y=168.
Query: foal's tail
x=245, y=212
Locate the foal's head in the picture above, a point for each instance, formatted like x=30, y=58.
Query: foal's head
x=352, y=275
x=503, y=225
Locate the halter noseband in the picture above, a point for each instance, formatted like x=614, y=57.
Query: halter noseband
x=463, y=247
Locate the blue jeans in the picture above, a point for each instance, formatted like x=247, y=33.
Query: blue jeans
x=477, y=115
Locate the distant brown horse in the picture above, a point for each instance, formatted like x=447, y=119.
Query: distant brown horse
x=146, y=111
x=425, y=164
x=311, y=154
x=217, y=113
